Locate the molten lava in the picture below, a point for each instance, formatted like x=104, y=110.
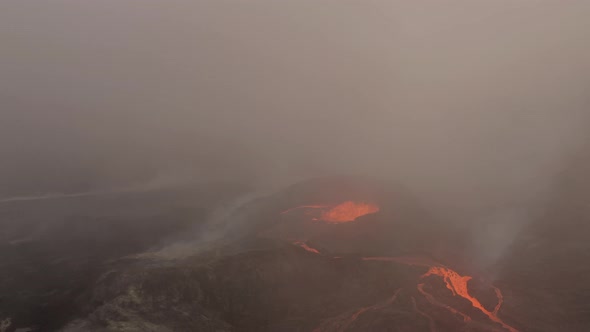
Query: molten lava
x=457, y=284
x=343, y=212
x=454, y=282
x=348, y=211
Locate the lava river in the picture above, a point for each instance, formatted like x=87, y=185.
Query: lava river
x=455, y=283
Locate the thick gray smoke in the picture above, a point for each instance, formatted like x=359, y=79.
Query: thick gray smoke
x=471, y=100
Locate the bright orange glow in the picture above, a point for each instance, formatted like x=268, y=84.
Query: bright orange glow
x=454, y=282
x=348, y=211
x=457, y=284
x=343, y=212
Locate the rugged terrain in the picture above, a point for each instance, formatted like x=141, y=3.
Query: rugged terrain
x=332, y=254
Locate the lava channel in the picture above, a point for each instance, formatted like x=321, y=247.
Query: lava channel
x=457, y=284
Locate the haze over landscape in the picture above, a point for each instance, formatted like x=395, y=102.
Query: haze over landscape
x=478, y=107
x=484, y=97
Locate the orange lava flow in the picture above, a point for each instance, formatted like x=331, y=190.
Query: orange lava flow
x=343, y=212
x=457, y=284
x=348, y=211
x=306, y=247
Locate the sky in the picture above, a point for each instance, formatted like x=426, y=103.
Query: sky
x=461, y=100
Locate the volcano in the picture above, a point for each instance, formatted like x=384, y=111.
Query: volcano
x=337, y=254
x=333, y=254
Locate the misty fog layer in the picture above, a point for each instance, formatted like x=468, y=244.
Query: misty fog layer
x=472, y=99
